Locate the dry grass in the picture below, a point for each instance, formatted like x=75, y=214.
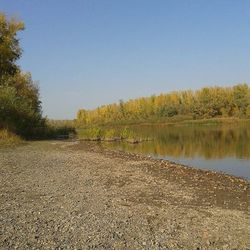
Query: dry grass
x=8, y=138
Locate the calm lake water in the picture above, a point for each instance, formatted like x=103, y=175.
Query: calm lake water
x=224, y=148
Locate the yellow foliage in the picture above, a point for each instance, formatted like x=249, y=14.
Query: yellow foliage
x=205, y=103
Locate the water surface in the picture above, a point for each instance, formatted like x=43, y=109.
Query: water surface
x=223, y=148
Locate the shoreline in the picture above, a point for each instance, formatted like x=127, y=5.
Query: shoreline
x=205, y=180
x=176, y=121
x=60, y=194
x=97, y=145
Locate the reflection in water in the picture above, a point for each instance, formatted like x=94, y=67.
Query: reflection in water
x=210, y=147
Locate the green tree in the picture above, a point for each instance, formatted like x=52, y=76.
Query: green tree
x=10, y=50
x=20, y=107
x=241, y=98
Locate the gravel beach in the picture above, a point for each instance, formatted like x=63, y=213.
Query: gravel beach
x=79, y=195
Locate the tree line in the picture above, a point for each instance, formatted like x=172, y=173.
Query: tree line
x=207, y=102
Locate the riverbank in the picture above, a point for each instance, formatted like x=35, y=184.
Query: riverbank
x=175, y=120
x=58, y=194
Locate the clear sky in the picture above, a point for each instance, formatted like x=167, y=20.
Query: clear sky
x=85, y=53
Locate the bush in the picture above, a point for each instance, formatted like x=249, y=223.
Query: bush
x=91, y=134
x=8, y=138
x=110, y=134
x=127, y=134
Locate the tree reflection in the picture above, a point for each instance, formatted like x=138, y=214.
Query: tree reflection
x=194, y=141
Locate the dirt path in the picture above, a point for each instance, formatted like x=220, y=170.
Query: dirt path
x=70, y=195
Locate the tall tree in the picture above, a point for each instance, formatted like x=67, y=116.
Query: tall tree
x=20, y=107
x=10, y=50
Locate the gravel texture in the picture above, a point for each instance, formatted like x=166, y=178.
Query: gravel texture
x=79, y=195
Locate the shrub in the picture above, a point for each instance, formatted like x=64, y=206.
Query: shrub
x=110, y=134
x=127, y=134
x=93, y=133
x=8, y=138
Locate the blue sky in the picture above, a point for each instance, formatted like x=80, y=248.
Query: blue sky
x=86, y=53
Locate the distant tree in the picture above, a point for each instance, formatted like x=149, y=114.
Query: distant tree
x=241, y=98
x=122, y=109
x=204, y=103
x=82, y=117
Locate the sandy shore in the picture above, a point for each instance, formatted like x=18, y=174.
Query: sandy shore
x=72, y=195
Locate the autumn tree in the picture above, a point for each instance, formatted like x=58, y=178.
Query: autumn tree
x=207, y=102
